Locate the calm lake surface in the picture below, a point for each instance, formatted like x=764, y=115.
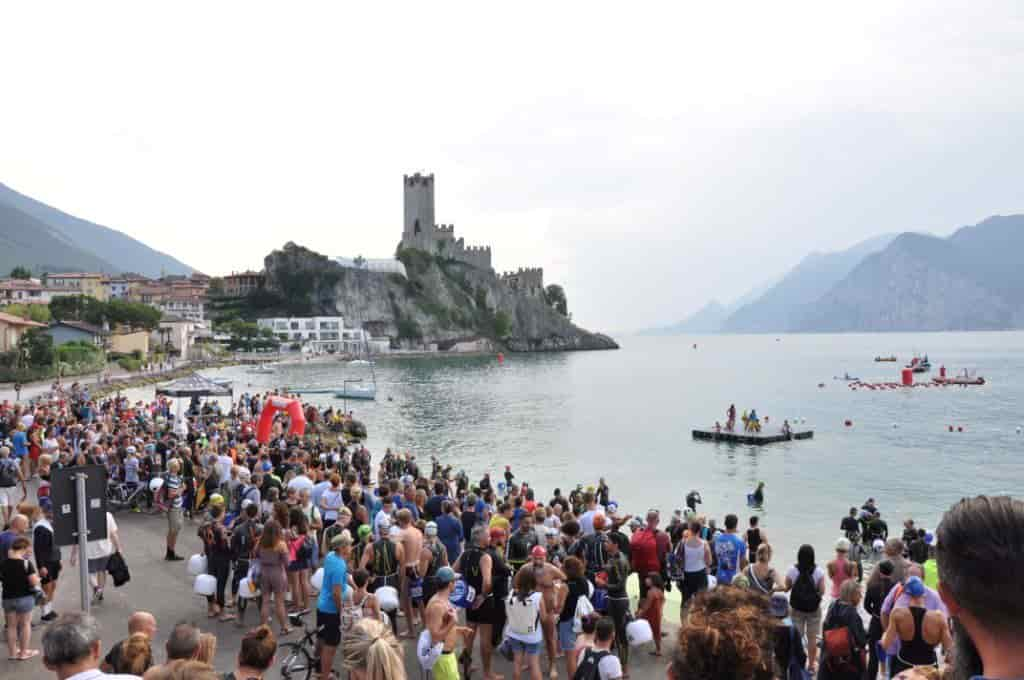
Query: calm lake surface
x=562, y=419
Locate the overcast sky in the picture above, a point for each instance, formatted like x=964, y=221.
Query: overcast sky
x=648, y=157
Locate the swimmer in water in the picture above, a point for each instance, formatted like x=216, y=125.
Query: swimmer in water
x=693, y=499
x=758, y=494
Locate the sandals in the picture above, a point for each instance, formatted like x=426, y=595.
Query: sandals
x=26, y=655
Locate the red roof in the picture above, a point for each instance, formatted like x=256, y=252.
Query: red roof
x=12, y=320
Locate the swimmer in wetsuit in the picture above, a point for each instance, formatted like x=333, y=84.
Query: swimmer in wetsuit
x=758, y=495
x=693, y=499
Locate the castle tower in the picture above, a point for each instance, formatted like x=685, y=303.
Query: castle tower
x=418, y=227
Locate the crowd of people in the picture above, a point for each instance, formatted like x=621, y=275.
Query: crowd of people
x=386, y=550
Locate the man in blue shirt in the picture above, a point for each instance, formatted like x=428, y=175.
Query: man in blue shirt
x=449, y=532
x=731, y=551
x=328, y=603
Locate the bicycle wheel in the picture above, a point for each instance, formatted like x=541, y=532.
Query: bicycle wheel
x=297, y=664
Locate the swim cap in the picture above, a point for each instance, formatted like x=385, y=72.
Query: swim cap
x=878, y=545
x=497, y=533
x=599, y=521
x=431, y=529
x=551, y=532
x=914, y=586
x=364, y=531
x=216, y=499
x=538, y=551
x=843, y=545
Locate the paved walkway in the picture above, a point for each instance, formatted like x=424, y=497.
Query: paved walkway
x=165, y=589
x=114, y=373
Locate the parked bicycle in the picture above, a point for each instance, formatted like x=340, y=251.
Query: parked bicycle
x=300, y=660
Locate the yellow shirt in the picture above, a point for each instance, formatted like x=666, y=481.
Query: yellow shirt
x=931, y=574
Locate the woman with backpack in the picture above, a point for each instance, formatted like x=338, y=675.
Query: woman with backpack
x=525, y=608
x=845, y=639
x=805, y=582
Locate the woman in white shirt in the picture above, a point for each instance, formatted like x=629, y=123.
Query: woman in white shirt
x=525, y=609
x=331, y=501
x=98, y=554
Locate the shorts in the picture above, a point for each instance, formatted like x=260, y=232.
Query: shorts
x=297, y=565
x=7, y=494
x=174, y=519
x=485, y=614
x=20, y=605
x=99, y=564
x=328, y=628
x=52, y=572
x=693, y=582
x=520, y=647
x=446, y=667
x=808, y=624
x=566, y=635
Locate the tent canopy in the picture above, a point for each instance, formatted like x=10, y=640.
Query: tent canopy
x=194, y=385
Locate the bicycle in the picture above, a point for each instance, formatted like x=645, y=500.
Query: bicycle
x=300, y=659
x=122, y=496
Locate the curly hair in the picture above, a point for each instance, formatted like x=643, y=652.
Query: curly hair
x=728, y=633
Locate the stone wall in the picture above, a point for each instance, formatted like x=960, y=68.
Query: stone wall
x=527, y=280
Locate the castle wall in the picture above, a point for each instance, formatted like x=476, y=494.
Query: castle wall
x=527, y=280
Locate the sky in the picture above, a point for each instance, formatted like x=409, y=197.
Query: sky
x=650, y=157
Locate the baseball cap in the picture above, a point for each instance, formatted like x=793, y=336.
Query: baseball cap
x=538, y=551
x=431, y=529
x=779, y=606
x=445, y=575
x=929, y=537
x=914, y=586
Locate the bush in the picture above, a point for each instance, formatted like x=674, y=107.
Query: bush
x=129, y=364
x=502, y=324
x=408, y=329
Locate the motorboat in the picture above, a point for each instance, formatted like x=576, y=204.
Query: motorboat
x=920, y=364
x=262, y=368
x=891, y=357
x=356, y=390
x=361, y=362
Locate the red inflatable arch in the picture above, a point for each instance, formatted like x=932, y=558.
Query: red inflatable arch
x=270, y=409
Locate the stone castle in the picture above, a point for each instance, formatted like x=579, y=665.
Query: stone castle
x=421, y=232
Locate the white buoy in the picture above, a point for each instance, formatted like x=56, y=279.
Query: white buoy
x=1018, y=429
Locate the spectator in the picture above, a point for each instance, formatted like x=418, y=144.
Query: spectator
x=255, y=655
x=805, y=582
x=183, y=642
x=601, y=654
x=21, y=583
x=182, y=669
x=373, y=653
x=727, y=634
x=136, y=655
x=789, y=646
x=139, y=623
x=98, y=553
x=845, y=638
x=71, y=647
x=979, y=553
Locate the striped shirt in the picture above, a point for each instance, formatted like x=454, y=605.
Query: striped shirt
x=173, y=483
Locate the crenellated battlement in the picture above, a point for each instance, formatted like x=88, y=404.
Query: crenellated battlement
x=528, y=280
x=418, y=179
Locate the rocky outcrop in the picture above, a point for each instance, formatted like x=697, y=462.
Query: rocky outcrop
x=441, y=302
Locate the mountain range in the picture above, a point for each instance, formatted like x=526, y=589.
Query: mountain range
x=971, y=280
x=42, y=238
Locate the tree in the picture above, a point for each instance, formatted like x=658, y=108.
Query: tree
x=555, y=295
x=20, y=272
x=32, y=312
x=77, y=308
x=502, y=324
x=36, y=348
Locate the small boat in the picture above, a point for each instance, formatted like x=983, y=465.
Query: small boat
x=356, y=391
x=965, y=378
x=361, y=362
x=891, y=357
x=262, y=368
x=312, y=390
x=919, y=364
x=847, y=377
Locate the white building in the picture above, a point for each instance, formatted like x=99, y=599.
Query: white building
x=185, y=306
x=320, y=333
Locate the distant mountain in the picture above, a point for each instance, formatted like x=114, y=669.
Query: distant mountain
x=26, y=241
x=707, y=320
x=782, y=307
x=972, y=280
x=109, y=250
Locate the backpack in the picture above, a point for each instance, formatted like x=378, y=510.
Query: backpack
x=805, y=596
x=8, y=473
x=589, y=668
x=523, y=614
x=838, y=646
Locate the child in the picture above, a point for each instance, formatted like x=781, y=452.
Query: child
x=363, y=604
x=585, y=640
x=21, y=586
x=651, y=607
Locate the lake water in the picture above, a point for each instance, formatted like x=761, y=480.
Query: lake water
x=561, y=419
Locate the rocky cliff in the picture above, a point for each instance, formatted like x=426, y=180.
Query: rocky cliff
x=441, y=301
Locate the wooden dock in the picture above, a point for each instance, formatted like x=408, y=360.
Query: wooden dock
x=756, y=438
